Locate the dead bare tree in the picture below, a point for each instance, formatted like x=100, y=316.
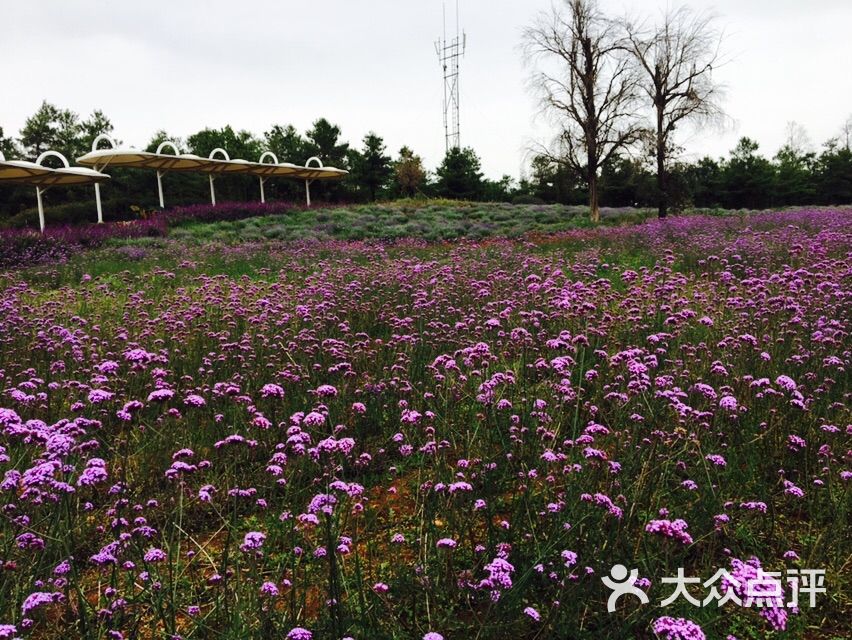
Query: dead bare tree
x=588, y=88
x=676, y=59
x=846, y=133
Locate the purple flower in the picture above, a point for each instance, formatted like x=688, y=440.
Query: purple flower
x=675, y=529
x=298, y=633
x=785, y=382
x=446, y=543
x=272, y=391
x=716, y=459
x=160, y=395
x=728, y=403
x=668, y=628
x=532, y=613
x=155, y=555
x=253, y=541
x=314, y=419
x=39, y=599
x=326, y=391
x=94, y=473
x=499, y=577
x=97, y=396
x=194, y=400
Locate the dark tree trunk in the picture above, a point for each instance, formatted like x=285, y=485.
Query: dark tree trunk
x=662, y=182
x=594, y=206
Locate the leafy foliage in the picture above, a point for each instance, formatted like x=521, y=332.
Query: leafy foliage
x=460, y=175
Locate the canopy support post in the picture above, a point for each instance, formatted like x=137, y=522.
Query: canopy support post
x=308, y=182
x=40, y=209
x=262, y=195
x=98, y=201
x=160, y=188
x=212, y=191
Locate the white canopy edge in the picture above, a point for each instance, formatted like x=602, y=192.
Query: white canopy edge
x=134, y=158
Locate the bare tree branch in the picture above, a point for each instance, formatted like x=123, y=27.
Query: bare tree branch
x=676, y=60
x=589, y=90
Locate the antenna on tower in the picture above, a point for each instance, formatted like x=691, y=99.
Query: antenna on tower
x=449, y=52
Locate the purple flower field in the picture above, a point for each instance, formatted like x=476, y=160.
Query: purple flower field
x=407, y=440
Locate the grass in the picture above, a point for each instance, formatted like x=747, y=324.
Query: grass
x=426, y=220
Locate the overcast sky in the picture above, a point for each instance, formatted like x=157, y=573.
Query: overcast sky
x=182, y=66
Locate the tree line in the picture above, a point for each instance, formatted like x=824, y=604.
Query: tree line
x=618, y=91
x=374, y=174
x=795, y=175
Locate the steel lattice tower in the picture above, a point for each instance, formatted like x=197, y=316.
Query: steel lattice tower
x=449, y=52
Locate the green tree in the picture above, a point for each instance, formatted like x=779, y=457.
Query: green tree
x=9, y=147
x=834, y=174
x=409, y=174
x=704, y=180
x=61, y=130
x=459, y=175
x=556, y=182
x=371, y=168
x=323, y=141
x=500, y=190
x=239, y=144
x=40, y=130
x=91, y=128
x=625, y=183
x=286, y=143
x=749, y=178
x=794, y=179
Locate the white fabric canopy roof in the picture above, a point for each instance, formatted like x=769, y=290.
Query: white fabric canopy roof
x=42, y=178
x=20, y=171
x=34, y=173
x=117, y=157
x=213, y=166
x=103, y=158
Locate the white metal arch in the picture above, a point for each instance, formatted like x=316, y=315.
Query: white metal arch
x=52, y=154
x=40, y=160
x=168, y=143
x=160, y=147
x=263, y=179
x=308, y=182
x=212, y=156
x=98, y=139
x=64, y=175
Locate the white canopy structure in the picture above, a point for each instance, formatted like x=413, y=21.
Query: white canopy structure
x=319, y=173
x=212, y=165
x=35, y=173
x=20, y=171
x=159, y=161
